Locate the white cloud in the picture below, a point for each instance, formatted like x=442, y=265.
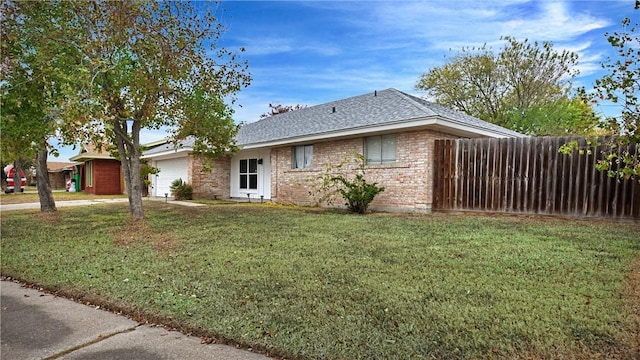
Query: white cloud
x=552, y=23
x=313, y=86
x=389, y=44
x=265, y=46
x=260, y=46
x=453, y=25
x=589, y=59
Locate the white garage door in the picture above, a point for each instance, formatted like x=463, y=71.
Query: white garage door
x=170, y=170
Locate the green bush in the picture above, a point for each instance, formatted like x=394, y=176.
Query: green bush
x=145, y=171
x=181, y=190
x=357, y=192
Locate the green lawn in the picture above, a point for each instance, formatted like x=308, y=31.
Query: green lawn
x=307, y=283
x=31, y=196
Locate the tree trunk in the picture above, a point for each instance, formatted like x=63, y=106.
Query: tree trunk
x=47, y=203
x=135, y=193
x=17, y=179
x=129, y=149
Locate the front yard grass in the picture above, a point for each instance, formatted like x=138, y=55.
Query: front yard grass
x=321, y=284
x=32, y=197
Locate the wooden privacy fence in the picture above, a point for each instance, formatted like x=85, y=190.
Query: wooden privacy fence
x=529, y=176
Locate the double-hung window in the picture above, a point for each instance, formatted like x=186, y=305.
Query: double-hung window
x=380, y=149
x=302, y=157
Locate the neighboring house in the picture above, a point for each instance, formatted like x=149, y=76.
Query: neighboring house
x=395, y=131
x=99, y=172
x=59, y=173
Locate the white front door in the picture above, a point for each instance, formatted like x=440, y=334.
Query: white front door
x=251, y=174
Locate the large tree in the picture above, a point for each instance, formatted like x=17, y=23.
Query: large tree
x=621, y=86
x=562, y=117
x=510, y=87
x=149, y=64
x=34, y=69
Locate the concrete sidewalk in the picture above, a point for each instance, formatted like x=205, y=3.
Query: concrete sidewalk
x=35, y=325
x=60, y=204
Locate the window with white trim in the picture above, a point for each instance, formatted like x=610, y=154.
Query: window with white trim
x=302, y=157
x=88, y=169
x=249, y=174
x=380, y=149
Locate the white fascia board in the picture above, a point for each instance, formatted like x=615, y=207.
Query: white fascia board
x=87, y=157
x=155, y=143
x=435, y=123
x=169, y=154
x=473, y=131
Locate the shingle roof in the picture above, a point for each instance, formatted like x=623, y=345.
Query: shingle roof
x=91, y=151
x=170, y=146
x=56, y=166
x=385, y=107
x=373, y=109
x=461, y=117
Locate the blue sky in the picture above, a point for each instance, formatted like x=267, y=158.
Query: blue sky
x=310, y=53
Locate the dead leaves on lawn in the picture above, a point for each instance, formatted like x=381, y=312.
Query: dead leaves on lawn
x=632, y=295
x=139, y=232
x=53, y=217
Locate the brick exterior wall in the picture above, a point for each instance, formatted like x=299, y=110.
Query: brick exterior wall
x=407, y=182
x=58, y=180
x=107, y=178
x=210, y=185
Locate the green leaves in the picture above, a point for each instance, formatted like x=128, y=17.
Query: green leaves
x=620, y=87
x=145, y=65
x=561, y=117
x=30, y=90
x=514, y=87
x=181, y=190
x=357, y=192
x=208, y=120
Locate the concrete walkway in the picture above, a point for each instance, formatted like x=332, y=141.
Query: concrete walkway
x=60, y=204
x=35, y=325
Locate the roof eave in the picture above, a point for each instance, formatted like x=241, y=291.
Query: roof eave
x=471, y=131
x=172, y=153
x=154, y=143
x=432, y=122
x=86, y=157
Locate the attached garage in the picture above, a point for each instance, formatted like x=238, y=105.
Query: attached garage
x=170, y=170
x=171, y=160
